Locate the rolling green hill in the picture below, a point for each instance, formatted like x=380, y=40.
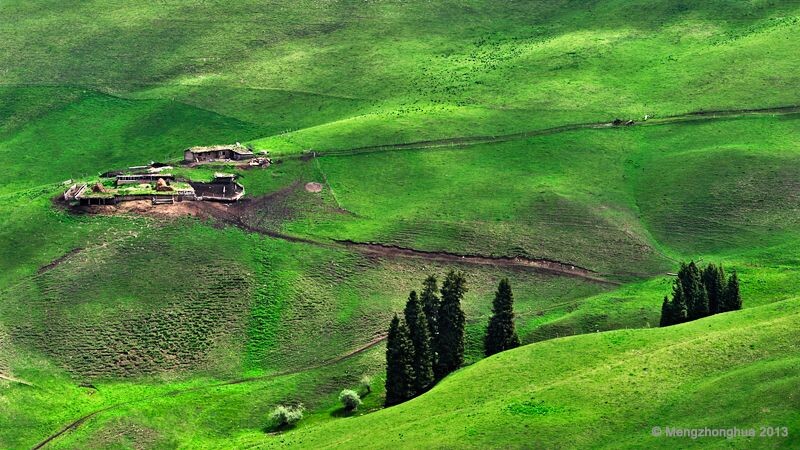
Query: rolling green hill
x=466, y=135
x=602, y=390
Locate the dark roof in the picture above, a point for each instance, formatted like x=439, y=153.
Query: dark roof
x=216, y=148
x=144, y=176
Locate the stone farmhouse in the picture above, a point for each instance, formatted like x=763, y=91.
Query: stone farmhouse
x=235, y=152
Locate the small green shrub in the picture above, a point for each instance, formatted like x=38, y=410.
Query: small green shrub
x=366, y=384
x=350, y=399
x=286, y=416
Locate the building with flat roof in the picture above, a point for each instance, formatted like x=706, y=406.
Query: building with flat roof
x=235, y=152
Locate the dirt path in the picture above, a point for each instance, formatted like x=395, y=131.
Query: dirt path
x=695, y=116
x=329, y=362
x=54, y=263
x=15, y=380
x=540, y=265
x=392, y=251
x=236, y=214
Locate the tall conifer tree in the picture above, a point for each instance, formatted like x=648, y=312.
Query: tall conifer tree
x=667, y=316
x=679, y=305
x=732, y=298
x=500, y=334
x=399, y=364
x=693, y=291
x=714, y=281
x=451, y=322
x=418, y=331
x=430, y=304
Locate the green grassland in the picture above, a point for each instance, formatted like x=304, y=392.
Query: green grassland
x=602, y=390
x=187, y=332
x=237, y=305
x=358, y=74
x=262, y=314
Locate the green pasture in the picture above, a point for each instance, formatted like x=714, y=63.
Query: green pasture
x=187, y=332
x=600, y=390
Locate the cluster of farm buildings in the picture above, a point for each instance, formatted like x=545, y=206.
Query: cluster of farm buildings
x=155, y=183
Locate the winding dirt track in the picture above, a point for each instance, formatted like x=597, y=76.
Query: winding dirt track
x=236, y=215
x=392, y=251
x=81, y=420
x=695, y=116
x=539, y=265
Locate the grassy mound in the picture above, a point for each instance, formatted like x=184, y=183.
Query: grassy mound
x=609, y=389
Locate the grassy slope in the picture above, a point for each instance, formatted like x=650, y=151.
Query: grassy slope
x=97, y=132
x=535, y=198
x=356, y=74
x=350, y=74
x=715, y=187
x=604, y=390
x=612, y=200
x=363, y=290
x=236, y=305
x=298, y=290
x=637, y=309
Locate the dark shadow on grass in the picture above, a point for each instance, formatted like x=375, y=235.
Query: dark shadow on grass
x=342, y=412
x=273, y=429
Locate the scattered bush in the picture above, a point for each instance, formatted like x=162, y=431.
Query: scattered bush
x=350, y=399
x=286, y=416
x=366, y=384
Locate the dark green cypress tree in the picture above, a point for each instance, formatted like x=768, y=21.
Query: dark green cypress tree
x=678, y=305
x=501, y=334
x=693, y=291
x=732, y=297
x=418, y=331
x=451, y=322
x=407, y=351
x=430, y=304
x=667, y=316
x=399, y=364
x=714, y=282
